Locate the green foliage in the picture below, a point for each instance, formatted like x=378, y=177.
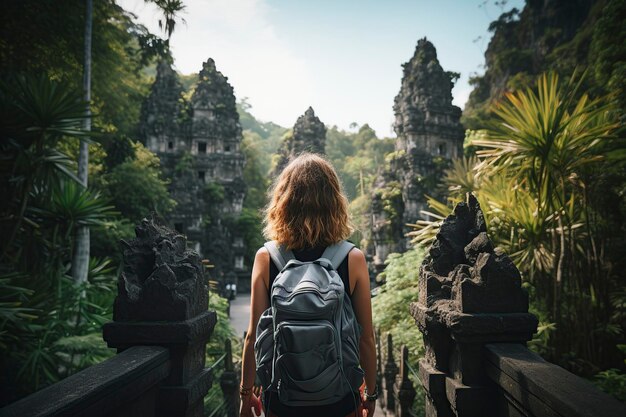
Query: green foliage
x=58, y=332
x=255, y=171
x=213, y=193
x=612, y=381
x=46, y=37
x=250, y=226
x=38, y=114
x=357, y=157
x=136, y=186
x=118, y=149
x=188, y=82
x=12, y=310
x=607, y=50
x=360, y=209
x=390, y=309
x=425, y=230
x=548, y=136
x=215, y=348
x=50, y=327
x=391, y=196
x=223, y=329
x=38, y=181
x=72, y=205
x=105, y=239
x=184, y=164
x=260, y=142
x=262, y=139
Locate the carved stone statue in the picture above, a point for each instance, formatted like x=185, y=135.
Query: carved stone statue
x=161, y=279
x=469, y=295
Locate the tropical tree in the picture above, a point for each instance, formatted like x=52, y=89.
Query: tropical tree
x=49, y=324
x=80, y=261
x=552, y=139
x=171, y=10
x=45, y=204
x=39, y=113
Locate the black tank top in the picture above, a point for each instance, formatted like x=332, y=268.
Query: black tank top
x=339, y=409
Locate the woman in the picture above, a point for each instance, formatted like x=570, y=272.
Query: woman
x=307, y=213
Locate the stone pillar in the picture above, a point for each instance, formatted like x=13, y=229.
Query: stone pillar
x=229, y=382
x=404, y=390
x=379, y=369
x=162, y=301
x=390, y=372
x=470, y=295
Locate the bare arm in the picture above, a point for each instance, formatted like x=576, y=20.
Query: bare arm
x=259, y=302
x=362, y=304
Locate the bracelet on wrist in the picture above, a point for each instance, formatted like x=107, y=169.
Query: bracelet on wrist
x=373, y=396
x=244, y=392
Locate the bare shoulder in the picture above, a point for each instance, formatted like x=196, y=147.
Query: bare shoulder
x=357, y=268
x=260, y=269
x=262, y=255
x=261, y=259
x=357, y=264
x=263, y=252
x=356, y=257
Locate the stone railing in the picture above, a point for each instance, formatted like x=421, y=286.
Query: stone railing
x=397, y=391
x=474, y=318
x=160, y=329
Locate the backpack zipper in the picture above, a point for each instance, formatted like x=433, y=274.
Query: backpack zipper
x=308, y=288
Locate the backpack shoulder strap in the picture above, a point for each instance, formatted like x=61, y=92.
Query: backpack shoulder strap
x=279, y=254
x=337, y=253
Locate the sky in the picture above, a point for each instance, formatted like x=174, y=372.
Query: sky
x=341, y=57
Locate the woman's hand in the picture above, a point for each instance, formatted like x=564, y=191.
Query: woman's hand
x=368, y=407
x=248, y=402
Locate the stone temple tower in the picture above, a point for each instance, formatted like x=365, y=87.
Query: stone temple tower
x=162, y=111
x=308, y=135
x=429, y=135
x=198, y=142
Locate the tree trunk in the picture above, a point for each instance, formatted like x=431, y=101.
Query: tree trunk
x=80, y=263
x=361, y=183
x=558, y=282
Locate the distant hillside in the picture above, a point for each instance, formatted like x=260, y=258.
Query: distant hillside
x=559, y=35
x=264, y=137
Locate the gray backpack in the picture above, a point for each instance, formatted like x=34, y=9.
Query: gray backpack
x=307, y=345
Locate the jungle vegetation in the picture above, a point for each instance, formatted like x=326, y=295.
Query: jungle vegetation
x=50, y=326
x=546, y=116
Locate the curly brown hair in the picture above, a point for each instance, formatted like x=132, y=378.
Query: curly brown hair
x=307, y=205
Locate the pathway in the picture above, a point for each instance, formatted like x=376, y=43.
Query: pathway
x=240, y=313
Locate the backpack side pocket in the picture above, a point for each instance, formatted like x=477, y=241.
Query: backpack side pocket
x=264, y=348
x=351, y=336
